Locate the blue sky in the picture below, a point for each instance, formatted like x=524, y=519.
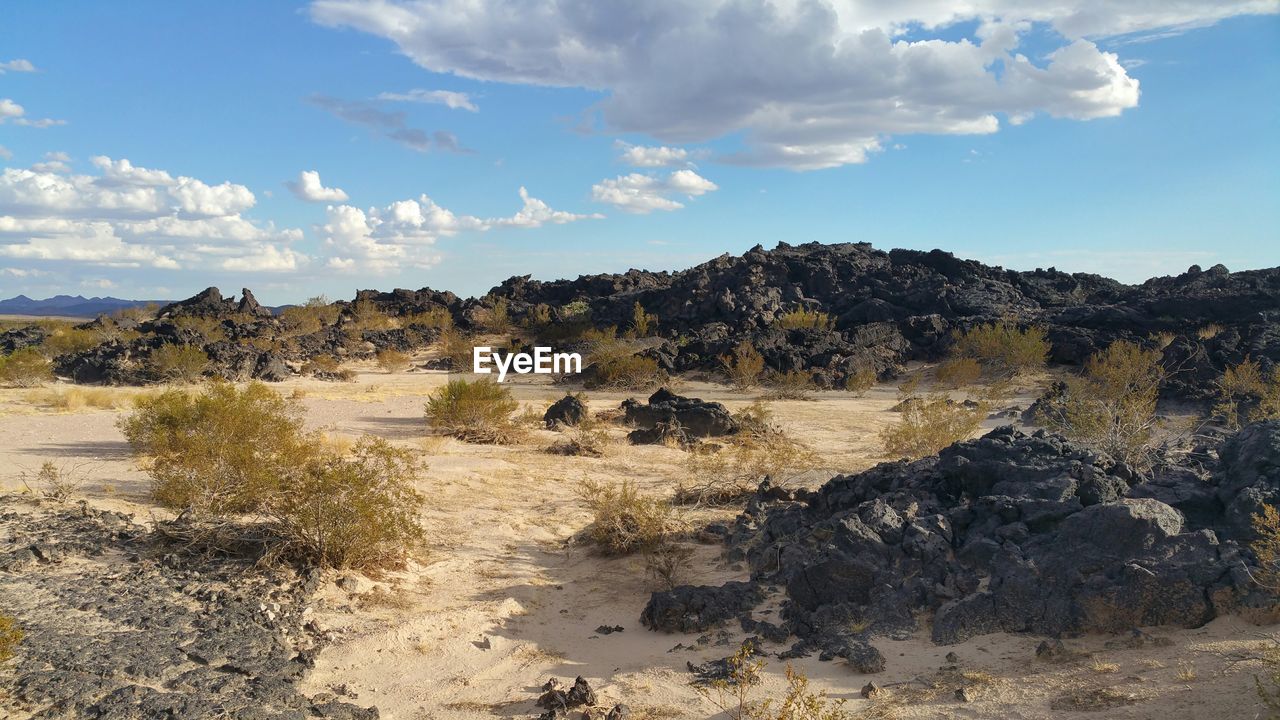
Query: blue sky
x=148, y=147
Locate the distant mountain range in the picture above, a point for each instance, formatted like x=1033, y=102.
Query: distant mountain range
x=69, y=305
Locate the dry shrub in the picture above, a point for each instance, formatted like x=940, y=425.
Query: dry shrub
x=959, y=372
x=53, y=481
x=625, y=520
x=732, y=471
x=137, y=313
x=497, y=319
x=312, y=316
x=478, y=411
x=626, y=372
x=791, y=385
x=744, y=366
x=1162, y=339
x=668, y=563
x=327, y=367
x=10, y=637
x=861, y=379
x=1247, y=394
x=803, y=319
x=366, y=315
x=589, y=438
x=79, y=398
x=178, y=363
x=24, y=368
x=457, y=348
x=929, y=424
x=1004, y=347
x=393, y=361
x=1266, y=547
x=221, y=451
x=1111, y=408
x=643, y=324
x=70, y=340
x=735, y=693
x=208, y=328
x=357, y=511
x=1209, y=332
x=434, y=318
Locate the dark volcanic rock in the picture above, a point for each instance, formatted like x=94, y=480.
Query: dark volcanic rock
x=568, y=411
x=697, y=418
x=695, y=608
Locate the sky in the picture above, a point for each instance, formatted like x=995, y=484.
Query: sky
x=150, y=149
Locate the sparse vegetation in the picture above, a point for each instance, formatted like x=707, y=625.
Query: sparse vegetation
x=790, y=385
x=1112, y=406
x=478, y=411
x=626, y=372
x=734, y=695
x=497, y=319
x=760, y=449
x=929, y=424
x=1247, y=394
x=178, y=363
x=434, y=318
x=313, y=315
x=10, y=637
x=1266, y=547
x=959, y=372
x=1004, y=347
x=457, y=348
x=78, y=398
x=624, y=519
x=69, y=340
x=861, y=379
x=668, y=563
x=744, y=366
x=53, y=481
x=643, y=324
x=1209, y=332
x=393, y=361
x=588, y=438
x=805, y=319
x=24, y=368
x=207, y=329
x=366, y=315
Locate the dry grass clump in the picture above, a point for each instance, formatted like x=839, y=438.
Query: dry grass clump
x=730, y=472
x=744, y=366
x=1247, y=394
x=1004, y=347
x=478, y=411
x=53, y=481
x=804, y=319
x=790, y=385
x=178, y=363
x=624, y=520
x=10, y=637
x=735, y=695
x=328, y=367
x=238, y=465
x=1104, y=668
x=1112, y=406
x=929, y=424
x=862, y=379
x=959, y=372
x=24, y=368
x=589, y=438
x=75, y=398
x=626, y=372
x=393, y=361
x=1209, y=332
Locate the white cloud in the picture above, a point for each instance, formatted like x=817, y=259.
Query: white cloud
x=18, y=65
x=10, y=110
x=131, y=216
x=448, y=98
x=403, y=233
x=641, y=193
x=309, y=188
x=652, y=157
x=54, y=162
x=807, y=83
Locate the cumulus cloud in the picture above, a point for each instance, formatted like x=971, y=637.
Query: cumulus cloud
x=652, y=157
x=640, y=193
x=12, y=111
x=448, y=98
x=130, y=216
x=309, y=188
x=403, y=233
x=17, y=65
x=391, y=125
x=54, y=162
x=807, y=83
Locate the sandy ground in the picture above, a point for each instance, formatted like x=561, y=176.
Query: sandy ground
x=505, y=599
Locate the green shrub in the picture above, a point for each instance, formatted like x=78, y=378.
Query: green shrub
x=1247, y=394
x=477, y=411
x=178, y=363
x=24, y=368
x=959, y=372
x=1004, y=347
x=209, y=329
x=69, y=341
x=625, y=520
x=497, y=319
x=10, y=637
x=744, y=366
x=358, y=511
x=929, y=424
x=626, y=372
x=393, y=361
x=1111, y=408
x=643, y=324
x=220, y=451
x=804, y=319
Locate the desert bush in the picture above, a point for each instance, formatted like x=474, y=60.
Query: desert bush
x=1004, y=347
x=1247, y=394
x=1162, y=339
x=10, y=637
x=1111, y=408
x=732, y=471
x=1266, y=547
x=804, y=319
x=178, y=363
x=1209, y=332
x=457, y=348
x=589, y=438
x=497, y=319
x=862, y=378
x=624, y=520
x=24, y=368
x=209, y=329
x=358, y=510
x=137, y=313
x=366, y=315
x=393, y=361
x=220, y=451
x=643, y=324
x=668, y=563
x=791, y=385
x=538, y=316
x=735, y=695
x=478, y=411
x=53, y=481
x=313, y=315
x=70, y=340
x=436, y=317
x=626, y=372
x=959, y=372
x=929, y=424
x=744, y=366
x=327, y=366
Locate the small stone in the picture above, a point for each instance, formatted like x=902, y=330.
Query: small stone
x=871, y=691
